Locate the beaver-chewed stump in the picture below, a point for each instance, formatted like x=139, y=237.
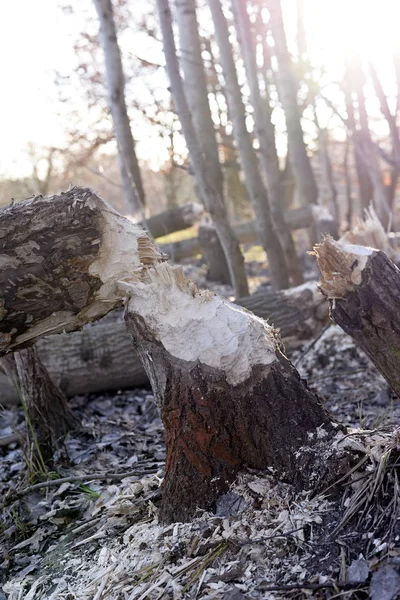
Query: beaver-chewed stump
x=363, y=288
x=229, y=398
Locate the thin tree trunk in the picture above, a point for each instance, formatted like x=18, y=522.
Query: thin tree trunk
x=287, y=90
x=210, y=191
x=248, y=159
x=265, y=134
x=129, y=166
x=364, y=145
x=48, y=416
x=326, y=168
x=365, y=189
x=347, y=185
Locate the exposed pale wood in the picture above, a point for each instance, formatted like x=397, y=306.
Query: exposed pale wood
x=100, y=357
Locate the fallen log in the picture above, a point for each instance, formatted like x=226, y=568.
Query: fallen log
x=247, y=233
x=60, y=260
x=100, y=357
x=363, y=288
x=174, y=219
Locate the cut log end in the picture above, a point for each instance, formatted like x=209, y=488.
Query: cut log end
x=341, y=266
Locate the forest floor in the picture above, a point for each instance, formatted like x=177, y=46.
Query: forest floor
x=99, y=538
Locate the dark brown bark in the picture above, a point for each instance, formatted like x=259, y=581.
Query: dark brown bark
x=363, y=288
x=213, y=430
x=48, y=416
x=61, y=257
x=173, y=219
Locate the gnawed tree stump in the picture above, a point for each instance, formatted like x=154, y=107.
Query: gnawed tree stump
x=363, y=288
x=229, y=399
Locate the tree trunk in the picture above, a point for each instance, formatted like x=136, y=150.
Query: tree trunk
x=365, y=190
x=100, y=357
x=228, y=398
x=174, y=219
x=363, y=287
x=287, y=90
x=66, y=255
x=200, y=157
x=248, y=158
x=213, y=255
x=265, y=134
x=48, y=416
x=364, y=145
x=129, y=166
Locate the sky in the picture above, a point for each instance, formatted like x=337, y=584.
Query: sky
x=36, y=40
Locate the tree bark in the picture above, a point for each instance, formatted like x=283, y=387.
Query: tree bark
x=129, y=166
x=364, y=145
x=265, y=133
x=209, y=186
x=365, y=190
x=213, y=255
x=61, y=260
x=174, y=219
x=48, y=416
x=228, y=398
x=100, y=357
x=248, y=158
x=363, y=287
x=287, y=90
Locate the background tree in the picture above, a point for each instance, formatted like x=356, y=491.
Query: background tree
x=129, y=165
x=210, y=188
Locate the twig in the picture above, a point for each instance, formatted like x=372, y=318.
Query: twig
x=87, y=478
x=310, y=346
x=10, y=439
x=350, y=585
